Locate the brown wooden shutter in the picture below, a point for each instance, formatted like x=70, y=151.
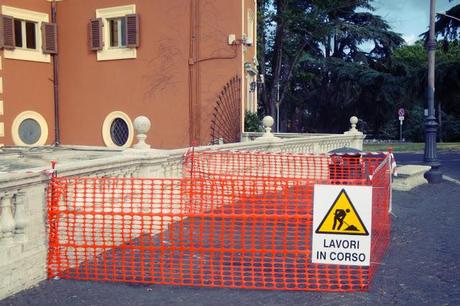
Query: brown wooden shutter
x=49, y=41
x=96, y=41
x=132, y=30
x=7, y=38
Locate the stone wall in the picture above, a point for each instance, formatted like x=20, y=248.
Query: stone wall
x=23, y=196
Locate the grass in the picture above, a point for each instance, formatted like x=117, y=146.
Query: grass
x=410, y=147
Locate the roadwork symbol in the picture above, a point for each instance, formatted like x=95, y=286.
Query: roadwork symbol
x=342, y=218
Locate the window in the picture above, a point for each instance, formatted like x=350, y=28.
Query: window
x=29, y=128
x=114, y=34
x=117, y=130
x=25, y=34
x=22, y=35
x=117, y=30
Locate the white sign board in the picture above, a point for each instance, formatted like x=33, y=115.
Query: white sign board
x=342, y=224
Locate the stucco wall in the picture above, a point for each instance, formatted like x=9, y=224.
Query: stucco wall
x=27, y=85
x=156, y=83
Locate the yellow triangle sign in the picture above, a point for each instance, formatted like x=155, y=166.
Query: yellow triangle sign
x=342, y=218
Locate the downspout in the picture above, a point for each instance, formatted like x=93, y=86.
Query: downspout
x=193, y=72
x=57, y=130
x=191, y=78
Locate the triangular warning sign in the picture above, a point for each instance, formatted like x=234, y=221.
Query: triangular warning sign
x=342, y=218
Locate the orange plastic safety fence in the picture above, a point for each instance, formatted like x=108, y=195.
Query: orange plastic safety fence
x=346, y=169
x=219, y=231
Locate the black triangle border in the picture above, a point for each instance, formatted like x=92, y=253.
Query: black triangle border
x=354, y=209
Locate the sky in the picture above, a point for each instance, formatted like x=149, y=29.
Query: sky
x=409, y=17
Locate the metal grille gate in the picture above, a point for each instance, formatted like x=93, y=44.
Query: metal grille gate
x=223, y=225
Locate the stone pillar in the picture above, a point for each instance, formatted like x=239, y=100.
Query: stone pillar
x=357, y=141
x=142, y=126
x=20, y=216
x=7, y=224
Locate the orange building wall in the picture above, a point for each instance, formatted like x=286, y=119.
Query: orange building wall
x=218, y=20
x=155, y=84
x=27, y=85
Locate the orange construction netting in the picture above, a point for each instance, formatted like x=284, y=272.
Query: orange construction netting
x=236, y=219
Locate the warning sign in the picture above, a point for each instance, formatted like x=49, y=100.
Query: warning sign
x=342, y=217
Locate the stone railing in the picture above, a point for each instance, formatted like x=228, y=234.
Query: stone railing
x=250, y=136
x=23, y=196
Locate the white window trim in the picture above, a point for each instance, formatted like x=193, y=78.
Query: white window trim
x=22, y=53
x=29, y=115
x=108, y=53
x=107, y=137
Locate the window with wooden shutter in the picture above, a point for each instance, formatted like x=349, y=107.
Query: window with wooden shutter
x=7, y=37
x=49, y=40
x=95, y=34
x=132, y=30
x=120, y=33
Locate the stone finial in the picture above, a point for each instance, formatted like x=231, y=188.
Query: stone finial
x=354, y=122
x=268, y=135
x=141, y=126
x=268, y=123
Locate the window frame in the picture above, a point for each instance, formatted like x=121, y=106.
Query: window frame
x=24, y=32
x=114, y=53
x=106, y=129
x=23, y=53
x=36, y=117
x=120, y=38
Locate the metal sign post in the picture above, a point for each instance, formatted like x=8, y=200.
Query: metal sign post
x=401, y=113
x=401, y=119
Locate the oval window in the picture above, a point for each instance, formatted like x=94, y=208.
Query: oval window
x=119, y=132
x=29, y=128
x=29, y=131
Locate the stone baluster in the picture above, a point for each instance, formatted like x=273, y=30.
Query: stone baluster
x=7, y=224
x=20, y=216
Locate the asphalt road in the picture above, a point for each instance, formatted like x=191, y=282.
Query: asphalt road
x=422, y=265
x=450, y=162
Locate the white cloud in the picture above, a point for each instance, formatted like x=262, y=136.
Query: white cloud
x=410, y=38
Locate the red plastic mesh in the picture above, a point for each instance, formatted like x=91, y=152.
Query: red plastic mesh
x=224, y=225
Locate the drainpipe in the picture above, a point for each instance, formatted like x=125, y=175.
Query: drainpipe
x=193, y=73
x=57, y=130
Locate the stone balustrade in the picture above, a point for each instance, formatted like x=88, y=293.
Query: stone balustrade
x=23, y=196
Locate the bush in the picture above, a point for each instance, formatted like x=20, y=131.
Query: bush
x=252, y=123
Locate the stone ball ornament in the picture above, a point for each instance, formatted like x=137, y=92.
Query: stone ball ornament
x=142, y=124
x=354, y=120
x=268, y=121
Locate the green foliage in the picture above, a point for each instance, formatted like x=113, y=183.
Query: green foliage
x=414, y=126
x=314, y=50
x=252, y=122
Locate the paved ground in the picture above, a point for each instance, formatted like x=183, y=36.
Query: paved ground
x=24, y=159
x=422, y=266
x=450, y=162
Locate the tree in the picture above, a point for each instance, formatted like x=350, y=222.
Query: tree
x=312, y=50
